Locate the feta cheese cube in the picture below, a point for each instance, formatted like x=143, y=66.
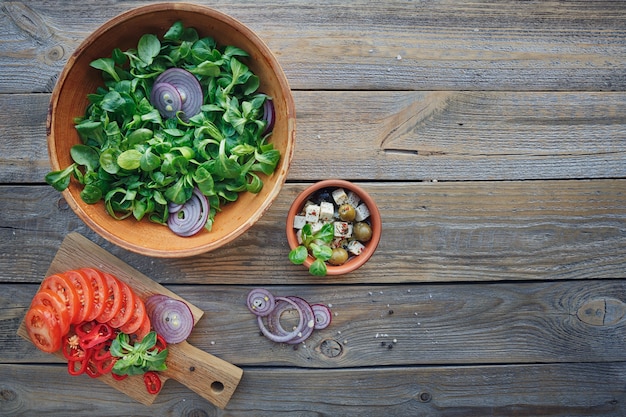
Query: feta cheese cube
x=312, y=213
x=353, y=199
x=299, y=221
x=316, y=227
x=342, y=229
x=327, y=210
x=340, y=196
x=355, y=247
x=362, y=213
x=299, y=236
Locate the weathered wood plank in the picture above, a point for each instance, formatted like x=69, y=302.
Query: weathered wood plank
x=456, y=136
x=391, y=45
x=469, y=231
x=563, y=321
x=524, y=390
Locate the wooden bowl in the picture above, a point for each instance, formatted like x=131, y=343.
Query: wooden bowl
x=354, y=262
x=78, y=79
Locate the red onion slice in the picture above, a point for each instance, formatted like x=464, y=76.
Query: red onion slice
x=309, y=321
x=260, y=302
x=171, y=318
x=269, y=115
x=278, y=334
x=188, y=87
x=323, y=316
x=191, y=217
x=166, y=99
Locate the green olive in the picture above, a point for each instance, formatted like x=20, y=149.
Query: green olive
x=362, y=232
x=347, y=212
x=339, y=257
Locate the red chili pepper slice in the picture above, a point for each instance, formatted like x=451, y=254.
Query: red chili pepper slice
x=105, y=365
x=79, y=364
x=100, y=333
x=161, y=344
x=118, y=377
x=92, y=369
x=152, y=381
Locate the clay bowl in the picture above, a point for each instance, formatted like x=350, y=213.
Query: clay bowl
x=78, y=79
x=354, y=262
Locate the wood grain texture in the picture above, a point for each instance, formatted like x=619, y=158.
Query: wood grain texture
x=432, y=232
x=428, y=324
x=492, y=135
x=448, y=136
x=522, y=390
x=391, y=45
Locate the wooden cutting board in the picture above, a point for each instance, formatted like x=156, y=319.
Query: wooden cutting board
x=209, y=376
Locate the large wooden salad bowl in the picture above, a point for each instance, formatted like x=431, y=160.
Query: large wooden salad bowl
x=78, y=79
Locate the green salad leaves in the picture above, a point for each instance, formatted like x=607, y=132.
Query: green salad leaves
x=138, y=162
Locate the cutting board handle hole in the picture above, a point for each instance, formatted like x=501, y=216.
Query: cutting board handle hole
x=217, y=387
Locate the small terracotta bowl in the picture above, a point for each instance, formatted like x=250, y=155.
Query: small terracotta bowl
x=78, y=79
x=355, y=261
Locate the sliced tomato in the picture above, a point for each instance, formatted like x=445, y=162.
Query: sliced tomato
x=100, y=290
x=142, y=331
x=126, y=310
x=54, y=301
x=136, y=320
x=113, y=300
x=43, y=328
x=62, y=285
x=85, y=294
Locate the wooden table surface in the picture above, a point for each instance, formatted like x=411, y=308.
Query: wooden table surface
x=493, y=137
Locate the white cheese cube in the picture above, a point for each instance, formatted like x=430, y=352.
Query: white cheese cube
x=355, y=247
x=353, y=199
x=316, y=227
x=362, y=213
x=312, y=213
x=342, y=229
x=340, y=196
x=299, y=221
x=299, y=236
x=327, y=210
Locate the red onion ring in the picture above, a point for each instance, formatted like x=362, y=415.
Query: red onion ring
x=261, y=302
x=282, y=336
x=269, y=115
x=188, y=87
x=173, y=207
x=323, y=316
x=309, y=321
x=191, y=217
x=171, y=318
x=310, y=316
x=166, y=99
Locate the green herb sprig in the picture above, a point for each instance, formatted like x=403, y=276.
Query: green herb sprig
x=318, y=244
x=138, y=358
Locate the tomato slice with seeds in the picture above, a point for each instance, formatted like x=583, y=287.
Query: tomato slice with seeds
x=65, y=289
x=54, y=301
x=143, y=330
x=43, y=328
x=100, y=290
x=113, y=300
x=126, y=310
x=85, y=294
x=136, y=319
